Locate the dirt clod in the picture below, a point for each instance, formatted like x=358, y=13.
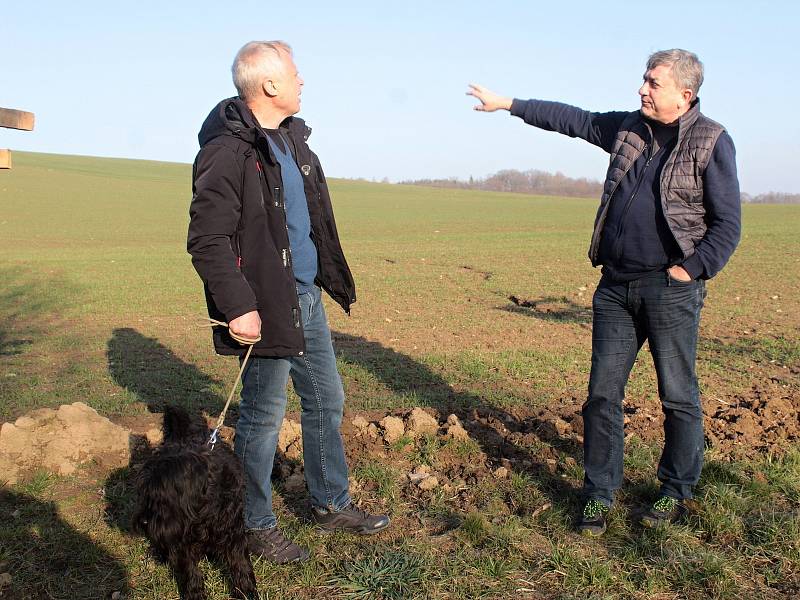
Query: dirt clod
x=457, y=432
x=361, y=424
x=421, y=423
x=428, y=483
x=290, y=439
x=295, y=483
x=373, y=431
x=60, y=441
x=393, y=428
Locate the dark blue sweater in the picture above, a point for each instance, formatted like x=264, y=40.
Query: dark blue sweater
x=636, y=239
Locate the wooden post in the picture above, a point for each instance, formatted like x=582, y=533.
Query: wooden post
x=13, y=119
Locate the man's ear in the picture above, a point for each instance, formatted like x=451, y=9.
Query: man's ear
x=688, y=95
x=269, y=87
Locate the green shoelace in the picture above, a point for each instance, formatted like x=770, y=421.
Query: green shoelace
x=594, y=508
x=665, y=504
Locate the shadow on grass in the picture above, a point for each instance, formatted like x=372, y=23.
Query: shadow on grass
x=12, y=345
x=554, y=309
x=29, y=304
x=487, y=424
x=48, y=558
x=26, y=301
x=119, y=488
x=151, y=371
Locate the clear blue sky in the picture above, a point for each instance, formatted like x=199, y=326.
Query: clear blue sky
x=385, y=82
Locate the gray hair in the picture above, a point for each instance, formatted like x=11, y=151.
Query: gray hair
x=687, y=70
x=255, y=62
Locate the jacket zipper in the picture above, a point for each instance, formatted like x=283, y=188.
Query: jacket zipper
x=595, y=247
x=621, y=230
x=236, y=249
x=286, y=255
x=260, y=183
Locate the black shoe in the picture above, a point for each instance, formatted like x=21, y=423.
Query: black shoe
x=593, y=519
x=272, y=545
x=664, y=510
x=351, y=519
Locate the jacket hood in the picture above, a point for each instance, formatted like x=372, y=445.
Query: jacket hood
x=234, y=118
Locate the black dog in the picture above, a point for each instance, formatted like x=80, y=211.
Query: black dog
x=191, y=503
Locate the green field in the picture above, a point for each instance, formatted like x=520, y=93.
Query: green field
x=100, y=303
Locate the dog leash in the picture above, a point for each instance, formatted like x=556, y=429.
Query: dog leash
x=245, y=342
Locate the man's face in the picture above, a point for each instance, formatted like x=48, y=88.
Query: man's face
x=289, y=85
x=662, y=99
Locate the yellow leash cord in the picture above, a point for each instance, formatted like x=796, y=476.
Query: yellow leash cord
x=245, y=342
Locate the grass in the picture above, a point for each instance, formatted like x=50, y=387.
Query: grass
x=100, y=304
x=784, y=474
x=391, y=575
x=381, y=477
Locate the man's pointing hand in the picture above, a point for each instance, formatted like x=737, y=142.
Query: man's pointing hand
x=490, y=101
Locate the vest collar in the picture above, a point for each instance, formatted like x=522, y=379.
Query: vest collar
x=688, y=118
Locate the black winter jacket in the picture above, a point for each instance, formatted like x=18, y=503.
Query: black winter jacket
x=237, y=231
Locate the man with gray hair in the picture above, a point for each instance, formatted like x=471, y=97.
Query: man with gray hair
x=263, y=239
x=669, y=219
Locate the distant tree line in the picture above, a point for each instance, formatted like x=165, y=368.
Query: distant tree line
x=534, y=181
x=523, y=182
x=771, y=198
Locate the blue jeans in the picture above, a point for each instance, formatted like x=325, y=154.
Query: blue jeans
x=263, y=404
x=666, y=312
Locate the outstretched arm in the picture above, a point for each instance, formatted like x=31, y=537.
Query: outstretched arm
x=599, y=129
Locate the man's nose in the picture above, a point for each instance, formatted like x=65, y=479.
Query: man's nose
x=643, y=90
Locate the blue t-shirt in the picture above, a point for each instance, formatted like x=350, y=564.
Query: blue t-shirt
x=303, y=250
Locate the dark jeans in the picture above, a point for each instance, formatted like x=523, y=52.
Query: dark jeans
x=263, y=404
x=666, y=312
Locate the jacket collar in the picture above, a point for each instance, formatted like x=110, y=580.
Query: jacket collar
x=233, y=117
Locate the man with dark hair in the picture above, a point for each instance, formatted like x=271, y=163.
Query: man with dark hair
x=263, y=239
x=669, y=219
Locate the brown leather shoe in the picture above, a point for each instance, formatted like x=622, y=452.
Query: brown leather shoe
x=272, y=545
x=350, y=518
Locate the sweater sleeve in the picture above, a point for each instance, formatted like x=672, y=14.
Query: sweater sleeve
x=723, y=212
x=599, y=129
x=214, y=217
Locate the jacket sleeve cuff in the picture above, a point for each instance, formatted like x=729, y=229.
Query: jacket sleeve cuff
x=238, y=311
x=694, y=266
x=518, y=107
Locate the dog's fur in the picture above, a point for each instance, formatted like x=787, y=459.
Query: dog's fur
x=191, y=504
